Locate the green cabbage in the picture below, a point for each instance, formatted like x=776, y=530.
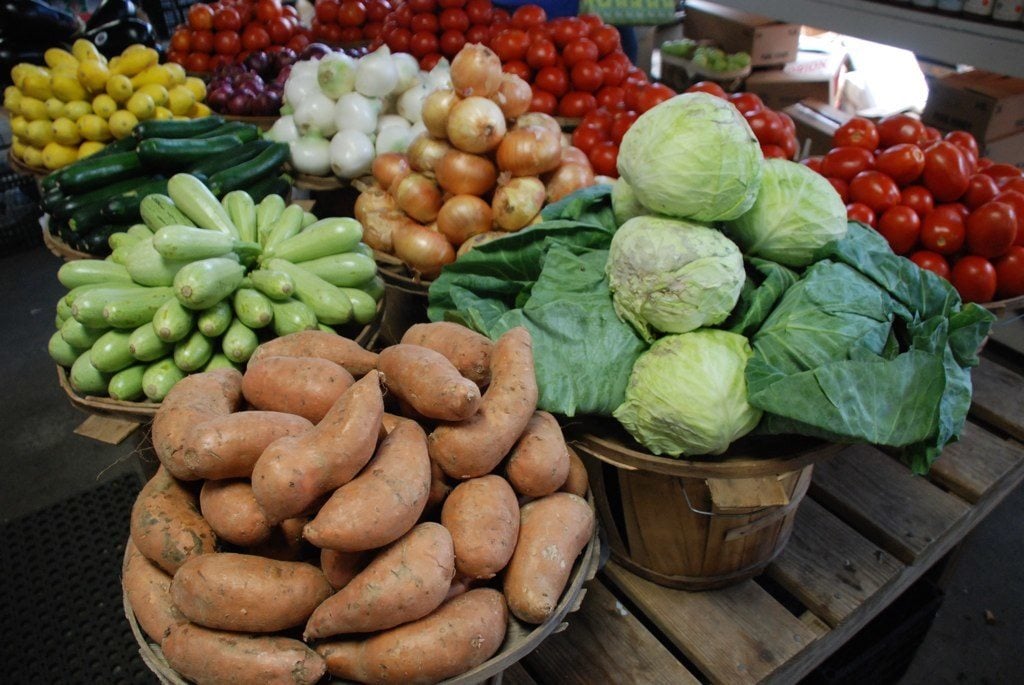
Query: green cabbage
x=624, y=202
x=673, y=276
x=796, y=212
x=692, y=157
x=687, y=394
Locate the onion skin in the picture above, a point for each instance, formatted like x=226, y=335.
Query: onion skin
x=464, y=216
x=478, y=240
x=462, y=173
x=567, y=179
x=421, y=249
x=390, y=166
x=375, y=209
x=417, y=196
x=529, y=151
x=476, y=125
x=476, y=70
x=516, y=203
x=513, y=96
x=574, y=155
x=425, y=151
x=436, y=108
x=539, y=119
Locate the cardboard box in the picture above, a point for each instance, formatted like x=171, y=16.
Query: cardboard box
x=1008, y=149
x=987, y=105
x=813, y=75
x=769, y=42
x=816, y=123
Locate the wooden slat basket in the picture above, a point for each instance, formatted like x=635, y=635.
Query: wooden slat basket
x=407, y=298
x=698, y=524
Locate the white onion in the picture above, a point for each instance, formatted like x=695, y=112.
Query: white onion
x=284, y=130
x=356, y=112
x=376, y=74
x=410, y=103
x=315, y=114
x=392, y=139
x=351, y=154
x=392, y=120
x=311, y=155
x=408, y=70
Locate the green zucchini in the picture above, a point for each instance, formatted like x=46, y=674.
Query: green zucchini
x=172, y=321
x=221, y=361
x=126, y=144
x=192, y=353
x=247, y=173
x=67, y=209
x=126, y=206
x=246, y=131
x=325, y=328
x=86, y=379
x=96, y=241
x=274, y=284
x=111, y=353
x=364, y=249
x=200, y=205
x=91, y=173
x=242, y=212
x=84, y=271
x=364, y=307
x=270, y=185
x=215, y=320
x=239, y=342
x=329, y=304
x=61, y=351
x=126, y=384
x=268, y=210
x=176, y=128
x=159, y=378
x=292, y=316
x=146, y=346
x=374, y=287
x=287, y=225
x=202, y=284
x=158, y=210
x=63, y=311
x=87, y=308
x=121, y=239
x=225, y=160
x=119, y=255
x=76, y=334
x=252, y=308
x=191, y=243
x=308, y=219
x=347, y=269
x=147, y=266
x=133, y=311
x=326, y=237
x=140, y=230
x=178, y=153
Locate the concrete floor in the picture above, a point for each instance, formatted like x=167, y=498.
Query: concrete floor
x=45, y=463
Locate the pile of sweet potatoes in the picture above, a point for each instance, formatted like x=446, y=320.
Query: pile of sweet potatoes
x=377, y=516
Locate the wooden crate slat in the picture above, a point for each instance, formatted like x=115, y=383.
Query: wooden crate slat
x=736, y=635
x=586, y=653
x=830, y=567
x=998, y=397
x=902, y=513
x=1009, y=333
x=974, y=464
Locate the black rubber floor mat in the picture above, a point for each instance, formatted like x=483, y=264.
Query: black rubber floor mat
x=61, y=614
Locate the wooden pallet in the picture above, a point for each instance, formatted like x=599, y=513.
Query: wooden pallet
x=865, y=533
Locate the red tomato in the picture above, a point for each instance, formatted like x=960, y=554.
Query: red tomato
x=299, y=41
x=177, y=57
x=599, y=118
x=614, y=69
x=227, y=43
x=398, y=40
x=255, y=37
x=813, y=163
x=423, y=43
x=526, y=16
x=621, y=122
x=904, y=162
x=946, y=173
x=510, y=45
x=422, y=5
x=875, y=189
x=842, y=187
x=974, y=278
x=709, y=87
x=943, y=231
x=899, y=128
x=607, y=39
x=519, y=68
x=788, y=125
x=181, y=41
x=428, y=62
x=331, y=33
x=543, y=101
x=403, y=14
x=580, y=50
x=858, y=211
x=611, y=97
x=653, y=95
x=1008, y=183
x=999, y=171
x=539, y=33
x=326, y=11
x=377, y=10
x=451, y=3
x=846, y=162
x=901, y=226
x=478, y=34
x=200, y=18
x=268, y=10
x=931, y=134
x=991, y=229
x=1010, y=273
x=479, y=11
x=286, y=10
x=453, y=19
x=217, y=61
x=790, y=146
x=351, y=13
x=981, y=188
x=500, y=17
x=772, y=151
x=451, y=42
x=541, y=53
x=197, y=62
x=227, y=19
x=919, y=199
x=857, y=132
x=202, y=41
x=592, y=21
x=281, y=30
x=586, y=138
x=424, y=21
x=587, y=76
x=767, y=127
x=931, y=261
x=1015, y=199
x=604, y=158
x=553, y=80
x=576, y=103
x=565, y=30
x=746, y=103
x=964, y=141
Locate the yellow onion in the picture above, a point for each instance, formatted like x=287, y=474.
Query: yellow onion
x=539, y=119
x=462, y=217
x=425, y=251
x=574, y=155
x=567, y=179
x=478, y=240
x=462, y=173
x=513, y=96
x=516, y=203
x=389, y=166
x=417, y=196
x=529, y=151
x=425, y=151
x=476, y=125
x=436, y=108
x=476, y=70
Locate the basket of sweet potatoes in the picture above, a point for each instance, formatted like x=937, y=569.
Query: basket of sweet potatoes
x=336, y=514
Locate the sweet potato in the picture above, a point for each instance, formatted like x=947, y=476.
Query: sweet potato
x=460, y=635
x=228, y=446
x=231, y=510
x=306, y=386
x=383, y=502
x=439, y=486
x=468, y=350
x=246, y=593
x=285, y=542
x=473, y=447
x=148, y=590
x=166, y=525
x=215, y=657
x=193, y=400
x=539, y=462
x=431, y=385
x=294, y=472
x=578, y=481
x=322, y=345
x=482, y=514
x=342, y=567
x=553, y=531
x=403, y=583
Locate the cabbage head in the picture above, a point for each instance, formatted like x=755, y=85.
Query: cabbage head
x=796, y=212
x=625, y=206
x=693, y=157
x=687, y=394
x=672, y=276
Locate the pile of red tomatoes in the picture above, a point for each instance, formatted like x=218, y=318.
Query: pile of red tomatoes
x=349, y=21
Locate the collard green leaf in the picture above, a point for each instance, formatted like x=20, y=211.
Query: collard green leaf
x=765, y=285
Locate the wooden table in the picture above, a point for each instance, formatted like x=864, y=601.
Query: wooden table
x=866, y=532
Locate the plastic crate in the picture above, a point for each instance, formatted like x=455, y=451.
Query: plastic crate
x=164, y=15
x=19, y=212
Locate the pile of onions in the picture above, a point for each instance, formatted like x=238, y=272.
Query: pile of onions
x=471, y=176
